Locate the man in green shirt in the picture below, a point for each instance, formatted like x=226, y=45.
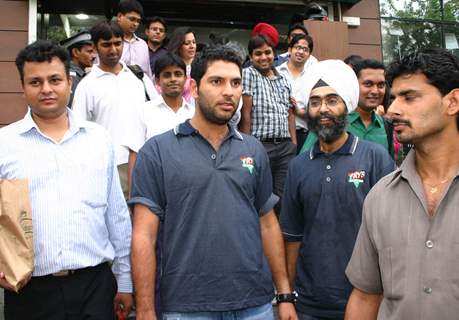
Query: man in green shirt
x=365, y=122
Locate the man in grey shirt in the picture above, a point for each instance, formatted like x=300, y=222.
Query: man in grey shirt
x=405, y=261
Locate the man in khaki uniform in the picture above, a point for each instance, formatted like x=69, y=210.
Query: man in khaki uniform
x=405, y=263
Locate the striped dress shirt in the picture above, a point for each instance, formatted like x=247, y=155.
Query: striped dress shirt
x=79, y=215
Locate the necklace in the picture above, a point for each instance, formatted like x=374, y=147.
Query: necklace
x=434, y=187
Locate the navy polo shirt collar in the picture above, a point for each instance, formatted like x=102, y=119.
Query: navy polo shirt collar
x=186, y=129
x=347, y=148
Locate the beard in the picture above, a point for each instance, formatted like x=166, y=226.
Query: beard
x=210, y=113
x=328, y=133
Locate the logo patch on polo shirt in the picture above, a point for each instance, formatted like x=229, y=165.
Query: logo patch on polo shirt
x=356, y=178
x=248, y=163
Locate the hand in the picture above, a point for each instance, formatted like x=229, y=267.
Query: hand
x=287, y=311
x=293, y=102
x=145, y=315
x=123, y=304
x=6, y=285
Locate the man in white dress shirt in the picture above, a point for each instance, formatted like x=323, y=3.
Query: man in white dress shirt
x=166, y=111
x=111, y=94
x=81, y=224
x=294, y=70
x=294, y=30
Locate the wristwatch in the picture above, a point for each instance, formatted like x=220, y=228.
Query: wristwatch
x=286, y=297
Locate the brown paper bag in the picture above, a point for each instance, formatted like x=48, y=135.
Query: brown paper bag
x=16, y=242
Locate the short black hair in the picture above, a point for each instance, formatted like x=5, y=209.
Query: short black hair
x=126, y=6
x=440, y=67
x=258, y=41
x=41, y=51
x=166, y=60
x=352, y=59
x=367, y=64
x=299, y=37
x=297, y=26
x=105, y=30
x=156, y=19
x=177, y=39
x=210, y=54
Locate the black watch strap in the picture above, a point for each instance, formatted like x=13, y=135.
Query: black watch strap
x=286, y=297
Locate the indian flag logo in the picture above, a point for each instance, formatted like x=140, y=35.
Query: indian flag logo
x=248, y=163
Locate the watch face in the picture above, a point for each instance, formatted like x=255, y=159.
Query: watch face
x=286, y=297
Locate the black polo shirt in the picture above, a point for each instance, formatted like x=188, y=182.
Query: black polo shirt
x=322, y=208
x=209, y=204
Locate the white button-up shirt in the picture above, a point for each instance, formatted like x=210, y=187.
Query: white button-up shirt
x=155, y=117
x=79, y=215
x=297, y=87
x=111, y=100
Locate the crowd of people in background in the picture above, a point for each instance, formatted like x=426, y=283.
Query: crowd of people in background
x=206, y=183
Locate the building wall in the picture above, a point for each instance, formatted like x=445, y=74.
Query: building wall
x=365, y=39
x=331, y=39
x=13, y=37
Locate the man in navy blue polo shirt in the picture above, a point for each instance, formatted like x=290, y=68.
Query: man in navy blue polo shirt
x=324, y=193
x=210, y=188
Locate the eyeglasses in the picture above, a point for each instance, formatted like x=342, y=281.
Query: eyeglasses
x=301, y=48
x=331, y=101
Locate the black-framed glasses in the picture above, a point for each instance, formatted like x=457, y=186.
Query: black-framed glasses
x=301, y=48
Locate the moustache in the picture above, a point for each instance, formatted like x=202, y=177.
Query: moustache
x=232, y=103
x=327, y=117
x=395, y=121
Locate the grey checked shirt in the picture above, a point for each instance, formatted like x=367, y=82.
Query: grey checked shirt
x=271, y=102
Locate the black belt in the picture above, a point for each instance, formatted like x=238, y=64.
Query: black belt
x=275, y=140
x=66, y=273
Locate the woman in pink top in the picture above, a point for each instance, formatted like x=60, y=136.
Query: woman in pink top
x=183, y=44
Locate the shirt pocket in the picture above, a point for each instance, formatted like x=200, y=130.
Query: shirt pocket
x=93, y=183
x=393, y=272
